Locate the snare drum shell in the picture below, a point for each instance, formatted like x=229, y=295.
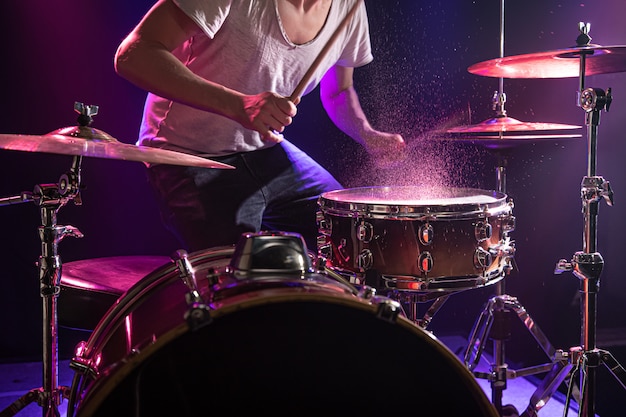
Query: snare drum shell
x=382, y=229
x=280, y=346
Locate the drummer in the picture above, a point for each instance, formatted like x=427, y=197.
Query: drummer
x=219, y=76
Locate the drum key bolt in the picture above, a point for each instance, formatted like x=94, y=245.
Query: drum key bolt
x=388, y=309
x=198, y=313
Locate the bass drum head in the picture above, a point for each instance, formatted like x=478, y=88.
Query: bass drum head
x=292, y=354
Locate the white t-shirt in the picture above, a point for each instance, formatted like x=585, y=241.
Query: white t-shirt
x=243, y=46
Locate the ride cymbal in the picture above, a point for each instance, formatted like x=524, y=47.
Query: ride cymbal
x=87, y=141
x=561, y=63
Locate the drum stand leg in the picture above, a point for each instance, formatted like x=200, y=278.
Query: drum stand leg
x=412, y=300
x=587, y=266
x=50, y=198
x=494, y=321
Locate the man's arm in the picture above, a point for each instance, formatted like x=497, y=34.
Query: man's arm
x=145, y=59
x=341, y=102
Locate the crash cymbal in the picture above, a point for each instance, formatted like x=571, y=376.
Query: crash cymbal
x=87, y=141
x=509, y=124
x=561, y=63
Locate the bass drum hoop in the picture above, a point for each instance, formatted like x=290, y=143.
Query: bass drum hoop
x=126, y=304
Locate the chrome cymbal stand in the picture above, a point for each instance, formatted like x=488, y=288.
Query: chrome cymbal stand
x=494, y=320
x=586, y=265
x=50, y=198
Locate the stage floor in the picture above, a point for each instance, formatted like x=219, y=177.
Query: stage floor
x=18, y=378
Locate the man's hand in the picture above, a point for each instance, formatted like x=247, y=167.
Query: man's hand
x=268, y=113
x=386, y=149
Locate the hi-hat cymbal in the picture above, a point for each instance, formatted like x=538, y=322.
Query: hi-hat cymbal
x=561, y=63
x=501, y=141
x=508, y=124
x=505, y=132
x=87, y=141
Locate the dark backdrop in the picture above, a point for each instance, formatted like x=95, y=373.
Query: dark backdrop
x=56, y=53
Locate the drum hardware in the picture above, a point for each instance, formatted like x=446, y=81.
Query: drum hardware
x=584, y=59
x=494, y=320
x=588, y=263
x=198, y=313
x=50, y=198
x=270, y=252
x=77, y=141
x=82, y=140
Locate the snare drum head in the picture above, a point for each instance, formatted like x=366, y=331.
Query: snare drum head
x=296, y=348
x=410, y=200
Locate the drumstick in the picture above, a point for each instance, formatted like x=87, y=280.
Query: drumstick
x=307, y=76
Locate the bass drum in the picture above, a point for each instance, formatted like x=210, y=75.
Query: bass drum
x=296, y=344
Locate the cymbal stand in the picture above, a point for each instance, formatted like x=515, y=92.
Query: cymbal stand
x=586, y=265
x=494, y=320
x=50, y=198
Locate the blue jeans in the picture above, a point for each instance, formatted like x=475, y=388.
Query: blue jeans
x=271, y=189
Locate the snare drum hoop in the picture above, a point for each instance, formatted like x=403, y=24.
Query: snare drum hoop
x=103, y=387
x=404, y=203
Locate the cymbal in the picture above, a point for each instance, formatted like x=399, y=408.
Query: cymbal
x=87, y=141
x=560, y=63
x=502, y=141
x=509, y=124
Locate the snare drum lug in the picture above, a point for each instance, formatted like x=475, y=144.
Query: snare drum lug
x=425, y=234
x=341, y=250
x=425, y=262
x=507, y=222
x=324, y=226
x=482, y=258
x=365, y=259
x=482, y=231
x=365, y=232
x=324, y=250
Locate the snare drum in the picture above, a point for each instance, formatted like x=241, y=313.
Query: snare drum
x=278, y=343
x=416, y=239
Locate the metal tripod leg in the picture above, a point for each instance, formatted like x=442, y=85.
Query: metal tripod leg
x=496, y=312
x=50, y=198
x=410, y=302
